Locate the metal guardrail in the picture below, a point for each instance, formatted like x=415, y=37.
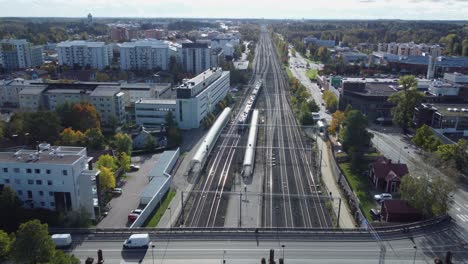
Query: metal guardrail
x=431, y=223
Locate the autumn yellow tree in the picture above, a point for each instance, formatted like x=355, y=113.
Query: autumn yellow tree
x=70, y=137
x=106, y=161
x=337, y=119
x=106, y=178
x=124, y=161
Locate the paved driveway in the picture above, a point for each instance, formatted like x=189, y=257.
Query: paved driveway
x=132, y=186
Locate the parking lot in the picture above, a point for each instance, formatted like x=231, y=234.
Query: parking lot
x=132, y=185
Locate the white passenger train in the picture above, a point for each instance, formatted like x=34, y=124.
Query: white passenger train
x=198, y=161
x=245, y=115
x=249, y=157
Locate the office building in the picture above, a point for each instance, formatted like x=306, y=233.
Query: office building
x=84, y=54
x=196, y=98
x=144, y=55
x=319, y=42
x=19, y=54
x=196, y=57
x=227, y=42
x=135, y=91
x=54, y=178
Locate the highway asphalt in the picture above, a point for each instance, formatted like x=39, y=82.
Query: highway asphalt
x=295, y=251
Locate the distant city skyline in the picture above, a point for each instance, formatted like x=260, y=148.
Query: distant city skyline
x=273, y=9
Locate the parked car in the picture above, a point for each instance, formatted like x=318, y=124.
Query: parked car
x=62, y=240
x=132, y=217
x=137, y=241
x=375, y=213
x=382, y=197
x=117, y=191
x=134, y=167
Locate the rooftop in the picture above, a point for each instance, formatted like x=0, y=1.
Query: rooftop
x=67, y=44
x=145, y=43
x=155, y=101
x=33, y=90
x=195, y=45
x=53, y=155
x=200, y=78
x=102, y=90
x=451, y=109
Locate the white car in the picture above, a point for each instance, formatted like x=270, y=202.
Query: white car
x=382, y=197
x=117, y=191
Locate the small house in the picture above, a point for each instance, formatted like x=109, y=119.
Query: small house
x=386, y=175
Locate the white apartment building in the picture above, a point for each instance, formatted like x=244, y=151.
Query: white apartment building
x=410, y=49
x=196, y=57
x=54, y=178
x=30, y=98
x=152, y=112
x=109, y=103
x=19, y=54
x=136, y=91
x=196, y=98
x=10, y=89
x=79, y=53
x=227, y=42
x=144, y=55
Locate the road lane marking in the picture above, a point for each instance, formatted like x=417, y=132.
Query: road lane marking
x=464, y=218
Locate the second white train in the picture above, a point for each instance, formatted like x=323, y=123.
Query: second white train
x=249, y=157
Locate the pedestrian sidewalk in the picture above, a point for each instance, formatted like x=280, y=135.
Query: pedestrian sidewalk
x=346, y=219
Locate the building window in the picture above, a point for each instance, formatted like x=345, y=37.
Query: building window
x=5, y=169
x=48, y=171
x=52, y=204
x=42, y=204
x=37, y=171
x=49, y=182
x=51, y=193
x=41, y=193
x=17, y=181
x=29, y=170
x=7, y=181
x=16, y=170
x=30, y=182
x=20, y=192
x=30, y=195
x=38, y=182
x=65, y=172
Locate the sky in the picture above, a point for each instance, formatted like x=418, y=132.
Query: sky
x=277, y=9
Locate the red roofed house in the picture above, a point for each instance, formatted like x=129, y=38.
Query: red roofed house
x=386, y=175
x=398, y=211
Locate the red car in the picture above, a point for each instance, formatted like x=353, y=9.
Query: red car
x=132, y=217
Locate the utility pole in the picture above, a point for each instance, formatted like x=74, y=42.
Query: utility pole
x=240, y=209
x=339, y=211
x=182, y=208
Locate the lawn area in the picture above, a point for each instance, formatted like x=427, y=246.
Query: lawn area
x=312, y=74
x=360, y=186
x=154, y=220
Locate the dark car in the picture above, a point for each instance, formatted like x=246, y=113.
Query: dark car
x=375, y=214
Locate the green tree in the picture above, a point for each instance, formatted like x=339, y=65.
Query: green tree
x=106, y=178
x=425, y=139
x=125, y=161
x=355, y=137
x=64, y=110
x=106, y=161
x=43, y=126
x=150, y=143
x=94, y=138
x=331, y=101
x=123, y=143
x=5, y=245
x=337, y=119
x=405, y=101
x=33, y=243
x=9, y=202
x=62, y=258
x=102, y=77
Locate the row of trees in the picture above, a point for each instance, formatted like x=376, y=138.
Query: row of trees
x=281, y=48
x=331, y=100
x=32, y=244
x=452, y=36
x=302, y=103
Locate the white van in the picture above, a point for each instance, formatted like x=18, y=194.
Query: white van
x=62, y=240
x=137, y=241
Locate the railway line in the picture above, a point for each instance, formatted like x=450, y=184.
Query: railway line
x=292, y=196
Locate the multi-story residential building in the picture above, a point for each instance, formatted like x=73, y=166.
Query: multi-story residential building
x=155, y=33
x=90, y=20
x=123, y=33
x=196, y=98
x=109, y=102
x=196, y=57
x=30, y=98
x=217, y=57
x=144, y=55
x=410, y=49
x=226, y=42
x=19, y=54
x=10, y=89
x=54, y=178
x=84, y=54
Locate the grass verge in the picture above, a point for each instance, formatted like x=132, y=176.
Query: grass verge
x=360, y=186
x=288, y=71
x=159, y=211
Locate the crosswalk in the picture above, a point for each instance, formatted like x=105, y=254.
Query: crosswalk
x=463, y=217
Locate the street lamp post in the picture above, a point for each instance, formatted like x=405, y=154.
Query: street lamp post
x=283, y=246
x=224, y=254
x=277, y=224
x=170, y=218
x=152, y=251
x=415, y=251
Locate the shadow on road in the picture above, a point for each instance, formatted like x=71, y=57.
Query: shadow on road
x=133, y=254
